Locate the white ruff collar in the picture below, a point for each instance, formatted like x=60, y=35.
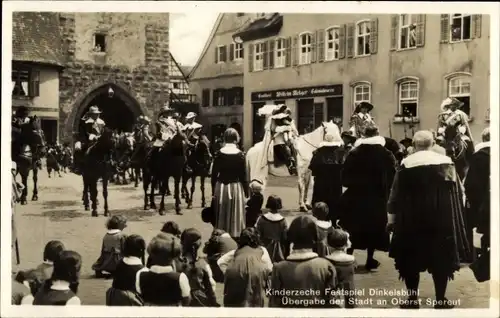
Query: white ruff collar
x=230, y=149
x=481, y=145
x=425, y=158
x=302, y=254
x=324, y=224
x=132, y=260
x=273, y=216
x=375, y=140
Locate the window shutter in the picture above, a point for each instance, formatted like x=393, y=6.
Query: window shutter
x=321, y=45
x=242, y=52
x=342, y=42
x=214, y=97
x=229, y=99
x=288, y=52
x=270, y=45
x=350, y=40
x=216, y=54
x=295, y=51
x=250, y=57
x=265, y=56
x=476, y=26
x=420, y=30
x=313, y=47
x=231, y=52
x=34, y=84
x=374, y=36
x=242, y=96
x=394, y=31
x=445, y=28
x=224, y=53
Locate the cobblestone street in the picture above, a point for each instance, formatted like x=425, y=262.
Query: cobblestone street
x=59, y=215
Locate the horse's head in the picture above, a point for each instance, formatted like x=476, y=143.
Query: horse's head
x=452, y=142
x=129, y=142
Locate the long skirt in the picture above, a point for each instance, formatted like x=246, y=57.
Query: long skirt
x=230, y=208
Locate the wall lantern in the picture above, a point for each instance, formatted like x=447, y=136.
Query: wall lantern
x=238, y=40
x=111, y=92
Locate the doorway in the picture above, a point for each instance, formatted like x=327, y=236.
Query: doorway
x=258, y=123
x=335, y=110
x=305, y=115
x=49, y=127
x=114, y=112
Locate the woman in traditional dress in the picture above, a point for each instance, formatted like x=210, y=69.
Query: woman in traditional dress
x=230, y=186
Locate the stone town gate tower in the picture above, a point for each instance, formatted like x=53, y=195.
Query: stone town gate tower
x=116, y=61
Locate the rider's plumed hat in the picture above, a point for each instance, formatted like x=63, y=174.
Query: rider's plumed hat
x=450, y=101
x=190, y=115
x=280, y=112
x=366, y=105
x=94, y=110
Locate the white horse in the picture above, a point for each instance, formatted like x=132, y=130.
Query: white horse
x=259, y=161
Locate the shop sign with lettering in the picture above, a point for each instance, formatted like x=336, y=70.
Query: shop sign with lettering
x=295, y=93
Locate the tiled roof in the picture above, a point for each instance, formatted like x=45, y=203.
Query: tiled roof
x=36, y=37
x=270, y=23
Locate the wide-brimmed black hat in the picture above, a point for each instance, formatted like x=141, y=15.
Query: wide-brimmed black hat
x=280, y=109
x=407, y=142
x=363, y=105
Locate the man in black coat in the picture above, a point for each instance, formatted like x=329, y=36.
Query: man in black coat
x=367, y=174
x=477, y=189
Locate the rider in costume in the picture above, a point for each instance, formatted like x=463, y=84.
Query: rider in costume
x=361, y=118
x=93, y=128
x=19, y=120
x=452, y=115
x=284, y=133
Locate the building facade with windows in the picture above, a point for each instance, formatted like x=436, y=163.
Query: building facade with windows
x=217, y=77
x=119, y=62
x=37, y=60
x=322, y=65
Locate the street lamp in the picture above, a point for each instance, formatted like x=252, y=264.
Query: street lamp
x=111, y=92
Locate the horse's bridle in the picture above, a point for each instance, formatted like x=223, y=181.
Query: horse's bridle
x=323, y=138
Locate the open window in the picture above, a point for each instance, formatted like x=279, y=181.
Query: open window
x=100, y=43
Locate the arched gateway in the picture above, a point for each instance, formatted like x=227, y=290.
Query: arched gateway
x=119, y=108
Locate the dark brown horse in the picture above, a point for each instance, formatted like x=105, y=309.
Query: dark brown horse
x=31, y=141
x=96, y=165
x=161, y=164
x=458, y=149
x=197, y=165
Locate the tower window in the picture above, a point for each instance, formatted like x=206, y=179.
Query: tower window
x=99, y=43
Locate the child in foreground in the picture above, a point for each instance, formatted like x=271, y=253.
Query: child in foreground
x=62, y=287
x=123, y=292
x=161, y=285
x=344, y=263
x=197, y=270
x=112, y=247
x=273, y=229
x=321, y=212
x=220, y=243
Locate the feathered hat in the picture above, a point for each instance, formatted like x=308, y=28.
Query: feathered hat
x=450, y=101
x=363, y=105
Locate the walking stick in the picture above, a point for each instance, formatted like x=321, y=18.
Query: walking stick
x=18, y=258
x=390, y=129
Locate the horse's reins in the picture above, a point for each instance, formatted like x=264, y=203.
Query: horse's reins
x=315, y=147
